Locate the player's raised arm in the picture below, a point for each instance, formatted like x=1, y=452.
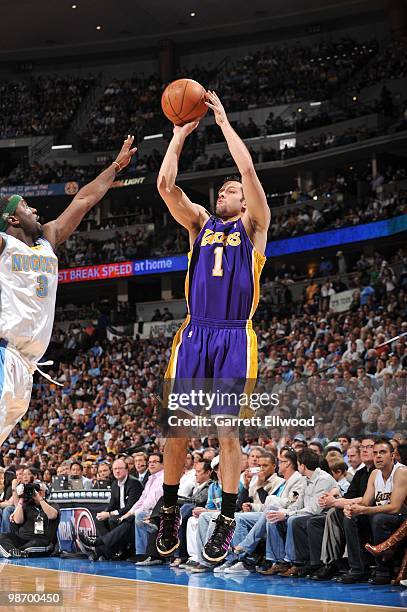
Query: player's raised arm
x=191, y=216
x=256, y=201
x=87, y=197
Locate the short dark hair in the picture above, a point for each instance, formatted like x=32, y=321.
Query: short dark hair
x=76, y=463
x=308, y=458
x=384, y=441
x=157, y=454
x=233, y=177
x=316, y=443
x=345, y=435
x=291, y=455
x=206, y=465
x=268, y=455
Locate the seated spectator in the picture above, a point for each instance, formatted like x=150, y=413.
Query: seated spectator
x=199, y=524
x=77, y=481
x=103, y=478
x=251, y=526
x=354, y=460
x=118, y=538
x=327, y=530
x=125, y=492
x=288, y=541
x=339, y=470
x=140, y=465
x=198, y=499
x=384, y=503
x=188, y=480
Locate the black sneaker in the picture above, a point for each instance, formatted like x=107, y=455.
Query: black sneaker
x=167, y=538
x=217, y=546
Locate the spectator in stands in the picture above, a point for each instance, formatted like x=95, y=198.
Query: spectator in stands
x=103, y=478
x=384, y=505
x=288, y=540
x=77, y=481
x=141, y=467
x=197, y=499
x=354, y=460
x=251, y=526
x=116, y=542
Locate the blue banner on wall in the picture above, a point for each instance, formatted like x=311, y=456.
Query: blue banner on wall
x=357, y=233
x=179, y=263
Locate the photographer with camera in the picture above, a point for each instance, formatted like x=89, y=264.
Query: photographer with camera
x=34, y=524
x=22, y=474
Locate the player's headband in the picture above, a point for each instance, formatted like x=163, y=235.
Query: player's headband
x=9, y=210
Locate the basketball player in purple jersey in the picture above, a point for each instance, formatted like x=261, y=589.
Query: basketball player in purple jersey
x=216, y=341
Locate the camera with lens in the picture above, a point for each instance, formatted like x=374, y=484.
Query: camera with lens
x=28, y=490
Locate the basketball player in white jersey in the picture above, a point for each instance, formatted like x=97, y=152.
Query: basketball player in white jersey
x=384, y=502
x=28, y=285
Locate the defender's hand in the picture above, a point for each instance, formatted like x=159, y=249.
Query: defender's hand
x=216, y=105
x=126, y=153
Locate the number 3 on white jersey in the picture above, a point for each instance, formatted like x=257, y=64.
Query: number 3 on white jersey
x=42, y=286
x=217, y=268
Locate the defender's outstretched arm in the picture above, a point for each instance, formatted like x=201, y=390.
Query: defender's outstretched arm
x=87, y=197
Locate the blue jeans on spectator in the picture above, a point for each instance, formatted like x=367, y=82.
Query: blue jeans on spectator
x=206, y=526
x=142, y=530
x=250, y=529
x=5, y=519
x=275, y=543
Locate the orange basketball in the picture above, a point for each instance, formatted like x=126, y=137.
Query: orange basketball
x=184, y=101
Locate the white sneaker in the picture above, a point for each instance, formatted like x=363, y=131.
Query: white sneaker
x=219, y=569
x=149, y=561
x=237, y=568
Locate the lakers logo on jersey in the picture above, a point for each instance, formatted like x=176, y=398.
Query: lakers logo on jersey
x=211, y=237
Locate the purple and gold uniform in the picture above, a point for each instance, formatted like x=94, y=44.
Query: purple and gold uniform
x=217, y=341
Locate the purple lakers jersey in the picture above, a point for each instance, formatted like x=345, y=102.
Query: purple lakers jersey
x=224, y=268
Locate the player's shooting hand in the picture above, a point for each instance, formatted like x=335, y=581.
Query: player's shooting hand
x=126, y=153
x=216, y=105
x=185, y=130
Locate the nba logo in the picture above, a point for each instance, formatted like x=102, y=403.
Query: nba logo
x=72, y=522
x=83, y=522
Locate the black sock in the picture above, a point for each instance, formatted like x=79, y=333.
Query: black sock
x=170, y=495
x=228, y=504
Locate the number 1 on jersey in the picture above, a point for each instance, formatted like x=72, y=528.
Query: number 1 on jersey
x=217, y=268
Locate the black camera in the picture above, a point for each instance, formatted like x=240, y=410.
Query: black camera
x=29, y=490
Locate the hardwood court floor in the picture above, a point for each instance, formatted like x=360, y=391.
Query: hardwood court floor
x=108, y=593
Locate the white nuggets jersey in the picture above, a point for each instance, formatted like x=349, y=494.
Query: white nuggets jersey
x=28, y=287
